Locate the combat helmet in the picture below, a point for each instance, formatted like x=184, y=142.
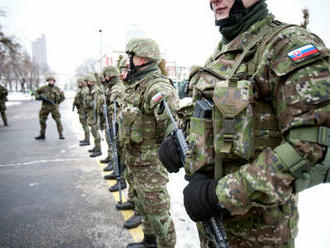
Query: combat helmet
x=89, y=78
x=80, y=80
x=144, y=48
x=110, y=71
x=50, y=78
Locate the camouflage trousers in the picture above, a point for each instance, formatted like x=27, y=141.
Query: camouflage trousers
x=234, y=242
x=153, y=202
x=43, y=115
x=128, y=177
x=94, y=130
x=83, y=121
x=3, y=112
x=108, y=143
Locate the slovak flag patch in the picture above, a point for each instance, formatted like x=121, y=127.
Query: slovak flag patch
x=303, y=53
x=157, y=97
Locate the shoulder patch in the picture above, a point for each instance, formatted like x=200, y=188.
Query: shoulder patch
x=303, y=53
x=157, y=97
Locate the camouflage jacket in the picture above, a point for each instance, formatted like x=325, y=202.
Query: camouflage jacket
x=93, y=98
x=54, y=94
x=296, y=90
x=117, y=94
x=3, y=94
x=109, y=89
x=79, y=99
x=143, y=129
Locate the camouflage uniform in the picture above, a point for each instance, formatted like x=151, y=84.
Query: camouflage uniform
x=143, y=131
x=56, y=95
x=3, y=99
x=79, y=104
x=113, y=89
x=92, y=103
x=287, y=94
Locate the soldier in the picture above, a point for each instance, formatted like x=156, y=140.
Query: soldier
x=118, y=93
x=3, y=99
x=79, y=104
x=110, y=76
x=92, y=104
x=267, y=86
x=51, y=97
x=143, y=131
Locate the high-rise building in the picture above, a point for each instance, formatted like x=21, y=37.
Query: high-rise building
x=39, y=51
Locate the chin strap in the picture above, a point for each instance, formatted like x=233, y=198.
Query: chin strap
x=134, y=68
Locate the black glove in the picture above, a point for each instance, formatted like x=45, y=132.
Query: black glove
x=169, y=154
x=200, y=199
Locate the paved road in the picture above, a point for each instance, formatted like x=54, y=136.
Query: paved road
x=51, y=193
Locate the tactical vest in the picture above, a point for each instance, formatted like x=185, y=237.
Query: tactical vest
x=242, y=123
x=51, y=93
x=140, y=126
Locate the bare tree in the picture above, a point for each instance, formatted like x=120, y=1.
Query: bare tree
x=305, y=23
x=89, y=66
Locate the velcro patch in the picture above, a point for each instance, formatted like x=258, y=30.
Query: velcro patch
x=303, y=53
x=157, y=97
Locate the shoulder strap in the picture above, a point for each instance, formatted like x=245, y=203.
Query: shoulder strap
x=264, y=36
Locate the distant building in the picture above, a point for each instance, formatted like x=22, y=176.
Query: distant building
x=39, y=51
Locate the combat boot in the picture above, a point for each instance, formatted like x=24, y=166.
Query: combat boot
x=40, y=137
x=105, y=161
x=129, y=205
x=109, y=167
x=96, y=153
x=110, y=176
x=149, y=241
x=92, y=150
x=6, y=124
x=84, y=143
x=115, y=187
x=134, y=221
x=61, y=136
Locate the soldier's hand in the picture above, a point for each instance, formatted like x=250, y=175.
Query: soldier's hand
x=200, y=199
x=169, y=154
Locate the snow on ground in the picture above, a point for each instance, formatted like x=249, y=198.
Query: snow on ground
x=15, y=98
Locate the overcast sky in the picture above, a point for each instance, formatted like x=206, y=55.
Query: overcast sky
x=184, y=29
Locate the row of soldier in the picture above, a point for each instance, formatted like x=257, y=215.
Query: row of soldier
x=125, y=88
x=258, y=131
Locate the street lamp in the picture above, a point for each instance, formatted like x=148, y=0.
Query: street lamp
x=100, y=31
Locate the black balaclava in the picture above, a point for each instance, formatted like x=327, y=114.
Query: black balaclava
x=133, y=69
x=51, y=85
x=240, y=19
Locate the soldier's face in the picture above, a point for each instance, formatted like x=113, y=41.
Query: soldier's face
x=221, y=8
x=51, y=82
x=123, y=73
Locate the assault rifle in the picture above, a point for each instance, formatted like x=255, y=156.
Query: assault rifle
x=45, y=99
x=112, y=136
x=115, y=150
x=213, y=226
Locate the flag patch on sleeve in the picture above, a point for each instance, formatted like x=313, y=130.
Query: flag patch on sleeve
x=157, y=97
x=303, y=53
